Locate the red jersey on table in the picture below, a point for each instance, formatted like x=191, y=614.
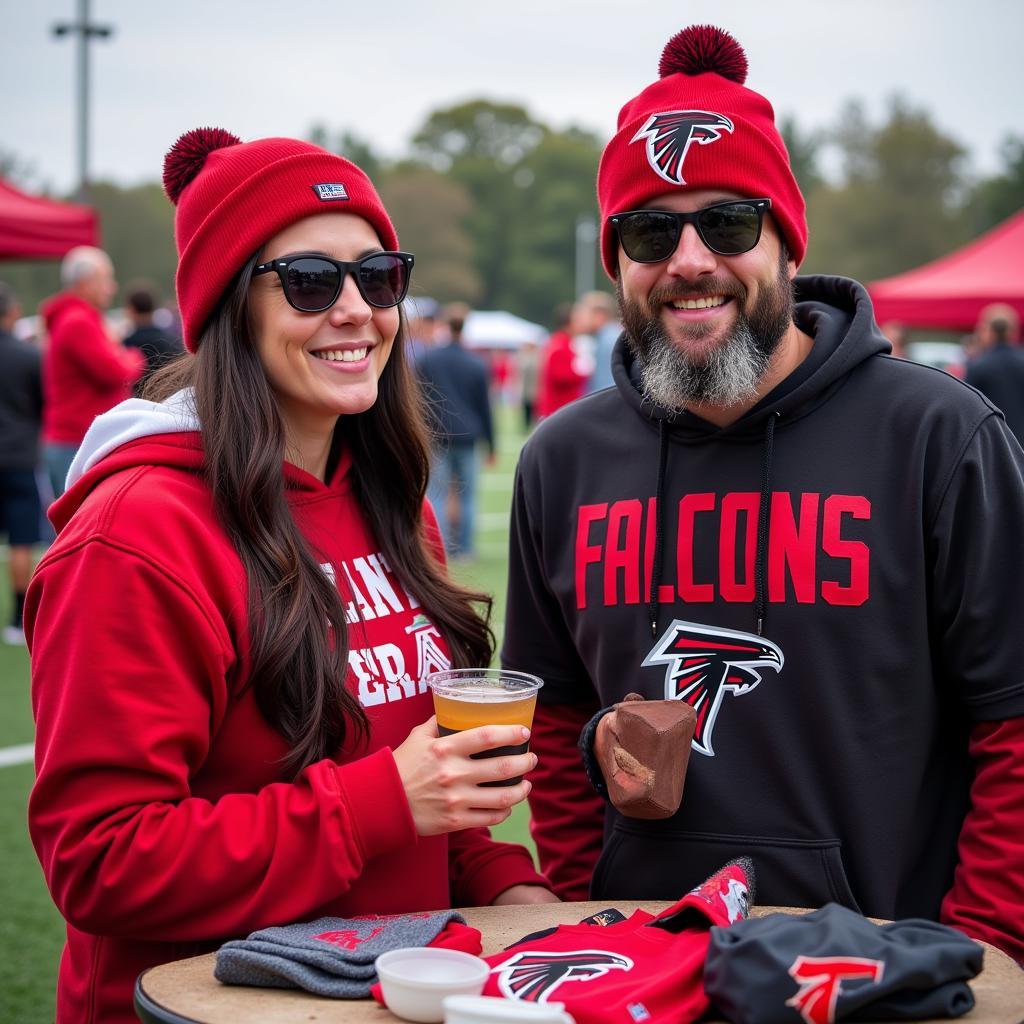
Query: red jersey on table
x=646, y=968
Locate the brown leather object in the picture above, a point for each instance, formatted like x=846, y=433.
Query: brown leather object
x=644, y=755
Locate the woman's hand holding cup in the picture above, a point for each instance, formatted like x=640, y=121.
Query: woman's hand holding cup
x=446, y=786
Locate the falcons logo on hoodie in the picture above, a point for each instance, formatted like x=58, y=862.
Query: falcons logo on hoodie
x=703, y=663
x=670, y=135
x=532, y=977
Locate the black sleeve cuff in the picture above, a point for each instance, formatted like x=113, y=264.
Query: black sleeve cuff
x=586, y=745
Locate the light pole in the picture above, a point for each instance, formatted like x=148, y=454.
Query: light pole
x=586, y=236
x=85, y=31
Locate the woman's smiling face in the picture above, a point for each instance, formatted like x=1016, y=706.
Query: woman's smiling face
x=321, y=365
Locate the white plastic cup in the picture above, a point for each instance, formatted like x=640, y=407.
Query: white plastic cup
x=494, y=1010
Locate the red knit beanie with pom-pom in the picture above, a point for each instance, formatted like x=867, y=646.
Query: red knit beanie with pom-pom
x=699, y=127
x=233, y=196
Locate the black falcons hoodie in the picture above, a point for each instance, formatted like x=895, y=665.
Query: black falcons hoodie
x=839, y=594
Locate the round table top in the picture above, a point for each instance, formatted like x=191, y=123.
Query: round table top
x=186, y=992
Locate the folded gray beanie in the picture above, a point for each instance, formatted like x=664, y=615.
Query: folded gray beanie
x=331, y=956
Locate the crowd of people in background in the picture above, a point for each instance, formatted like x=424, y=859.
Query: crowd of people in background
x=84, y=366
x=460, y=384
x=53, y=383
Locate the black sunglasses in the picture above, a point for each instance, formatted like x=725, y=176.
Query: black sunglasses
x=313, y=283
x=650, y=236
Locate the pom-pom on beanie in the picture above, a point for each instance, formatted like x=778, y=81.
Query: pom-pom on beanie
x=232, y=196
x=698, y=127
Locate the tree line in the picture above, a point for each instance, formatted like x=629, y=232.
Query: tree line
x=488, y=197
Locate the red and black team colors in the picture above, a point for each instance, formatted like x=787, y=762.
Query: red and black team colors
x=642, y=968
x=827, y=567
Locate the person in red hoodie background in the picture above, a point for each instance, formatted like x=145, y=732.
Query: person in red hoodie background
x=86, y=371
x=566, y=367
x=231, y=633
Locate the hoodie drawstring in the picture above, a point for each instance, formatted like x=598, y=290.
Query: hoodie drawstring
x=764, y=512
x=659, y=532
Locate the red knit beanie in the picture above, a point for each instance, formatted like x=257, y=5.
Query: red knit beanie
x=232, y=196
x=698, y=127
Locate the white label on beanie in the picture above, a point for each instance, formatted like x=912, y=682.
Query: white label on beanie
x=328, y=192
x=670, y=135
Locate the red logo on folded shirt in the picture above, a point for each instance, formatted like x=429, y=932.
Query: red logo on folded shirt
x=347, y=938
x=821, y=979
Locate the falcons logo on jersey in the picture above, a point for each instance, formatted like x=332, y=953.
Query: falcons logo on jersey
x=670, y=135
x=703, y=663
x=532, y=977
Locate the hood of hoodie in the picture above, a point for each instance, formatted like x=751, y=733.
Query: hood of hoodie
x=141, y=433
x=836, y=311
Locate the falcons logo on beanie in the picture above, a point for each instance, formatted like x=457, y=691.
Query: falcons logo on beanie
x=703, y=663
x=670, y=135
x=532, y=977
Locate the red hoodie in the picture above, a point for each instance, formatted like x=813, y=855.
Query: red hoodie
x=564, y=375
x=161, y=816
x=85, y=372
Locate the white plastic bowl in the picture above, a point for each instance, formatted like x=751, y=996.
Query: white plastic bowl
x=415, y=981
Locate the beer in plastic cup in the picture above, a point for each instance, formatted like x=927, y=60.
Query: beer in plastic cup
x=465, y=698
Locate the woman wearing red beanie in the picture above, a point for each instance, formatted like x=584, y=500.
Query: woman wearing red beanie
x=231, y=633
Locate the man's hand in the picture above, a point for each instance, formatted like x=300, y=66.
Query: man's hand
x=643, y=748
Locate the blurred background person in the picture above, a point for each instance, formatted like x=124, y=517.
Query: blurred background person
x=21, y=408
x=595, y=314
x=897, y=335
x=86, y=371
x=997, y=369
x=502, y=376
x=455, y=384
x=422, y=327
x=157, y=346
x=565, y=369
x=528, y=367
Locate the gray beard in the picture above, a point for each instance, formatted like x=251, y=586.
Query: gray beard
x=727, y=374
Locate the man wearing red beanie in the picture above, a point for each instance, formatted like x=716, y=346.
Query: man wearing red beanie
x=813, y=544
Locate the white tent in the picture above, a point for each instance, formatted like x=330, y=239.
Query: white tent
x=498, y=329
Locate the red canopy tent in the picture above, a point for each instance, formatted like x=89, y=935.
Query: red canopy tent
x=950, y=292
x=34, y=228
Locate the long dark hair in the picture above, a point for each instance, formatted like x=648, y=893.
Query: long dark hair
x=297, y=630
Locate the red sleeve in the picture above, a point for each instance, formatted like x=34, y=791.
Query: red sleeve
x=98, y=358
x=130, y=673
x=481, y=868
x=987, y=897
x=568, y=816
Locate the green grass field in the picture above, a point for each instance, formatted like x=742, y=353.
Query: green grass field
x=31, y=930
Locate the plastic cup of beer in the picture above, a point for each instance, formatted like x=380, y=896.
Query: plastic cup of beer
x=465, y=698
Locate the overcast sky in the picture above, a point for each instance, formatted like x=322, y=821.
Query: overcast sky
x=274, y=67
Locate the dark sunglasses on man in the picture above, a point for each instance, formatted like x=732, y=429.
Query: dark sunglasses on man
x=312, y=283
x=728, y=229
